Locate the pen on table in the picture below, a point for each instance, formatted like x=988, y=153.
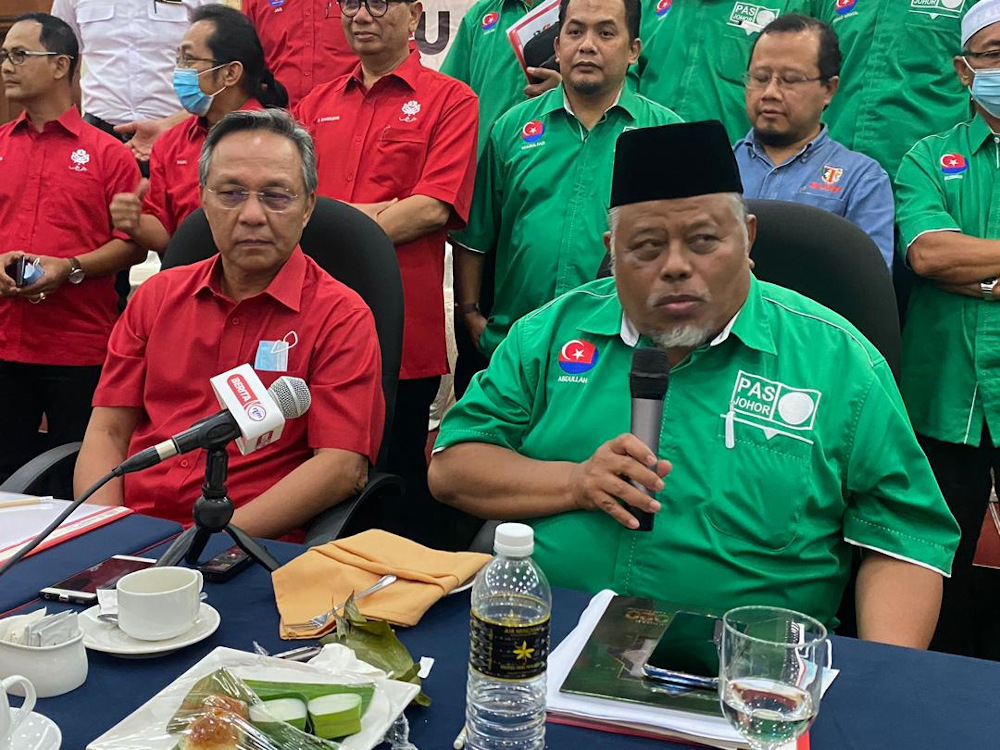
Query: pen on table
x=22, y=501
x=459, y=742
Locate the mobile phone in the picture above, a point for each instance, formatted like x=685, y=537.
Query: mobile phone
x=225, y=565
x=81, y=587
x=687, y=653
x=16, y=270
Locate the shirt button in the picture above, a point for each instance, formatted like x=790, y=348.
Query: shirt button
x=236, y=321
x=185, y=463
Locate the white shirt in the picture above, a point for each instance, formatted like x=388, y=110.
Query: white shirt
x=129, y=49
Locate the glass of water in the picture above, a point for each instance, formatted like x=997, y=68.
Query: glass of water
x=771, y=664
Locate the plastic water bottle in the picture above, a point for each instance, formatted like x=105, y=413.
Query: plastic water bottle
x=509, y=647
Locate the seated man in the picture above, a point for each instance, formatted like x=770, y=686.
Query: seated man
x=788, y=154
x=777, y=466
x=185, y=325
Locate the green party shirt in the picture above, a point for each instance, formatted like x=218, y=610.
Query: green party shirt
x=482, y=57
x=950, y=375
x=897, y=83
x=541, y=198
x=695, y=53
x=788, y=439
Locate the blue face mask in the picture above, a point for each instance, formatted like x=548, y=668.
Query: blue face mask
x=985, y=89
x=189, y=92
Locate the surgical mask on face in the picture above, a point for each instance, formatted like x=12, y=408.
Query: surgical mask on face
x=189, y=92
x=985, y=88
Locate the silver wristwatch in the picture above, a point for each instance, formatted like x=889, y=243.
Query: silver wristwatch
x=77, y=274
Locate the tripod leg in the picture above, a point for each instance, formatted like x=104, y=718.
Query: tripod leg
x=252, y=547
x=175, y=553
x=198, y=543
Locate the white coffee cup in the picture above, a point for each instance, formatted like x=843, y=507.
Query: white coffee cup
x=156, y=604
x=11, y=719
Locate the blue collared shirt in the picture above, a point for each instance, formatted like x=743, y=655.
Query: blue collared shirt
x=826, y=175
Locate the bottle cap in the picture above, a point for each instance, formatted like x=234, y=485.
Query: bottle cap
x=514, y=540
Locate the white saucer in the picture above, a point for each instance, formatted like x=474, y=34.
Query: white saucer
x=106, y=636
x=36, y=733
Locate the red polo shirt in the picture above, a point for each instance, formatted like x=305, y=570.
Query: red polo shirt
x=173, y=170
x=179, y=330
x=413, y=133
x=55, y=189
x=303, y=42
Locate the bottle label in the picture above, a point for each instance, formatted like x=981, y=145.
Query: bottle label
x=508, y=652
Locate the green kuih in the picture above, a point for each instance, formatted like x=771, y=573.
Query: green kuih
x=289, y=710
x=335, y=715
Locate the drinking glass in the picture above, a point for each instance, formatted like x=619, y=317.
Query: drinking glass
x=771, y=664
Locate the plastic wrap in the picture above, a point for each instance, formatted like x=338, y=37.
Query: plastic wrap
x=209, y=707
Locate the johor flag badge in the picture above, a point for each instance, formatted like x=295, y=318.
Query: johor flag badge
x=532, y=131
x=578, y=356
x=953, y=164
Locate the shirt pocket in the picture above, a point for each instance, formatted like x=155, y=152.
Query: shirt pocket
x=92, y=12
x=734, y=53
x=400, y=158
x=760, y=485
x=168, y=13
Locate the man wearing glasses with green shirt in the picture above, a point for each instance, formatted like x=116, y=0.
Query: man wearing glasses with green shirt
x=544, y=175
x=949, y=231
x=783, y=442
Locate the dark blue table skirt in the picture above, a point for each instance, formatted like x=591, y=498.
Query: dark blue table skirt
x=885, y=698
x=125, y=536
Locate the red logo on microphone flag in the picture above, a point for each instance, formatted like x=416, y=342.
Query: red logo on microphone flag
x=953, y=164
x=533, y=131
x=242, y=389
x=578, y=356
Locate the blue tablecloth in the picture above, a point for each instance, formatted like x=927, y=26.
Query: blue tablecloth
x=885, y=698
x=125, y=536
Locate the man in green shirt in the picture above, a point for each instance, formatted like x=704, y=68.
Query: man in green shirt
x=695, y=53
x=545, y=174
x=896, y=86
x=949, y=228
x=783, y=441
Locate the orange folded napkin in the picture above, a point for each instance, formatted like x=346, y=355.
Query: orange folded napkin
x=326, y=575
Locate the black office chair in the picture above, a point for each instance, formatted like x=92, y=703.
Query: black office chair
x=353, y=249
x=50, y=473
x=829, y=259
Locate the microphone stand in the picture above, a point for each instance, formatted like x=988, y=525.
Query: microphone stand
x=213, y=512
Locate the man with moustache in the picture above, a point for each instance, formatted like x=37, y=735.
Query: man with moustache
x=545, y=174
x=770, y=468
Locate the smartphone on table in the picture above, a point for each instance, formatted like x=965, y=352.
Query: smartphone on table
x=687, y=654
x=81, y=587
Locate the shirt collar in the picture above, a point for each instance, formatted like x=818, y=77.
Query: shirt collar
x=979, y=132
x=69, y=120
x=407, y=71
x=285, y=287
x=557, y=100
x=752, y=145
x=197, y=126
x=749, y=324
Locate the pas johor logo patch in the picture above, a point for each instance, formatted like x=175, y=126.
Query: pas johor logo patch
x=490, y=21
x=935, y=8
x=533, y=131
x=953, y=165
x=578, y=356
x=751, y=18
x=776, y=408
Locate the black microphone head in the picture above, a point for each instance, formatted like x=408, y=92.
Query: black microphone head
x=650, y=373
x=291, y=395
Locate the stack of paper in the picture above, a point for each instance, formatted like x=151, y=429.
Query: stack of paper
x=22, y=517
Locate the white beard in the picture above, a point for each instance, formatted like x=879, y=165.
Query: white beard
x=682, y=337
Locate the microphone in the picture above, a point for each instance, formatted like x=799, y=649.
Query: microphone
x=648, y=383
x=253, y=422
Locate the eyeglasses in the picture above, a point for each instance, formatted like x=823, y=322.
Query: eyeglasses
x=376, y=8
x=275, y=201
x=18, y=56
x=990, y=58
x=761, y=79
x=183, y=61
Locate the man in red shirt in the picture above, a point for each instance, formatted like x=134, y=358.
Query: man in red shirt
x=57, y=177
x=259, y=301
x=398, y=140
x=303, y=40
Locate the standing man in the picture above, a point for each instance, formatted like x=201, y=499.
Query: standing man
x=695, y=54
x=303, y=40
x=897, y=85
x=57, y=178
x=398, y=141
x=545, y=174
x=788, y=154
x=128, y=49
x=950, y=379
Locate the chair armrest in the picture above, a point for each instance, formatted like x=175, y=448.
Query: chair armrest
x=484, y=539
x=332, y=523
x=25, y=478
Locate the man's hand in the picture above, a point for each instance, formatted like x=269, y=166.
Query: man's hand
x=7, y=286
x=55, y=271
x=549, y=79
x=144, y=134
x=599, y=482
x=475, y=324
x=372, y=210
x=968, y=290
x=126, y=209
